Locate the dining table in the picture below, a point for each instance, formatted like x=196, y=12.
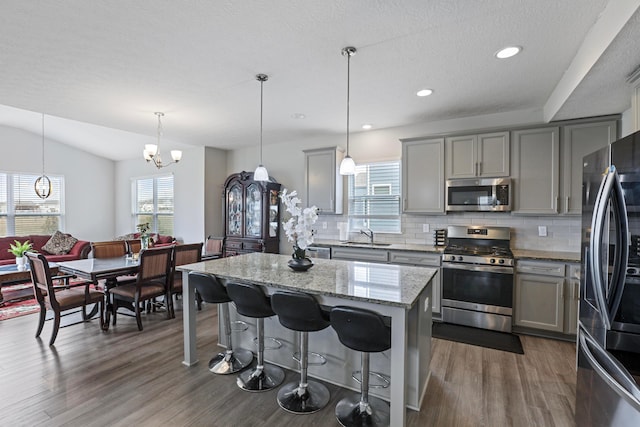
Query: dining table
x=402, y=293
x=108, y=269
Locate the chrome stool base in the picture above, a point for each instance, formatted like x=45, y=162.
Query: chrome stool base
x=230, y=362
x=351, y=413
x=261, y=379
x=303, y=400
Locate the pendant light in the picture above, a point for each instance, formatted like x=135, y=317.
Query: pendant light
x=151, y=152
x=261, y=173
x=43, y=183
x=348, y=166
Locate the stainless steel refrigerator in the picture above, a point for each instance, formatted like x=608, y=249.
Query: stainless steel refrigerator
x=608, y=391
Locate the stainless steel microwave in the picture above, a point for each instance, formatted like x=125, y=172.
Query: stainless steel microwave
x=479, y=195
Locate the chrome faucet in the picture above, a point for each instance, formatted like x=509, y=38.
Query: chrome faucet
x=369, y=234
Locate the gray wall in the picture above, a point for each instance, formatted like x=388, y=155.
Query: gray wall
x=89, y=179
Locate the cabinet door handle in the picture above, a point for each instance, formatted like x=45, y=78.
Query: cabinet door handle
x=562, y=291
x=555, y=204
x=576, y=290
x=479, y=168
x=566, y=205
x=404, y=204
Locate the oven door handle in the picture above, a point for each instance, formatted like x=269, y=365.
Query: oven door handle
x=476, y=267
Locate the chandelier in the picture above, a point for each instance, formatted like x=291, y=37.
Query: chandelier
x=152, y=151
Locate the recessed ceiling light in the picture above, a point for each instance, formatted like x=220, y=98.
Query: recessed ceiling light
x=508, y=52
x=298, y=116
x=424, y=92
x=367, y=126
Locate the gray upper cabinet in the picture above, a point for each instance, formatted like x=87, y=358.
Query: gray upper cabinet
x=323, y=182
x=423, y=176
x=577, y=141
x=480, y=155
x=535, y=162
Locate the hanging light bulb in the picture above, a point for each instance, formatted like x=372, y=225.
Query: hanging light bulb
x=261, y=173
x=348, y=166
x=151, y=152
x=42, y=185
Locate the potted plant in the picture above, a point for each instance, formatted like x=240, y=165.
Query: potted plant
x=18, y=250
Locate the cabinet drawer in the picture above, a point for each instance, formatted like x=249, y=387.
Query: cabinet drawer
x=232, y=244
x=414, y=258
x=358, y=254
x=254, y=246
x=543, y=268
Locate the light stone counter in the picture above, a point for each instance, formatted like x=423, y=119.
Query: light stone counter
x=546, y=255
x=402, y=293
x=390, y=247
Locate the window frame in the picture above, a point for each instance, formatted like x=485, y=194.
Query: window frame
x=135, y=214
x=367, y=218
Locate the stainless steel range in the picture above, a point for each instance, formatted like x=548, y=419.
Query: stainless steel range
x=477, y=277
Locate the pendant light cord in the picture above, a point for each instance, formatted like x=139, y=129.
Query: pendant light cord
x=159, y=131
x=42, y=144
x=348, y=97
x=261, y=97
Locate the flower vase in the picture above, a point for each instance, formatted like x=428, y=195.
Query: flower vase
x=21, y=263
x=144, y=242
x=299, y=260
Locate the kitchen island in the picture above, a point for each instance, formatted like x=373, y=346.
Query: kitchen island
x=402, y=293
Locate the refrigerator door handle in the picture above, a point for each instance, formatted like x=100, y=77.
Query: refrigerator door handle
x=595, y=254
x=610, y=370
x=621, y=258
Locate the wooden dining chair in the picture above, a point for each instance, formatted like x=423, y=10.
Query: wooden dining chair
x=184, y=254
x=60, y=298
x=109, y=249
x=213, y=247
x=134, y=246
x=152, y=281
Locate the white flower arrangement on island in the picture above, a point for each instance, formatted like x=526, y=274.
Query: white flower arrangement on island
x=298, y=226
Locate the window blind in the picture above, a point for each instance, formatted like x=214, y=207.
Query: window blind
x=154, y=202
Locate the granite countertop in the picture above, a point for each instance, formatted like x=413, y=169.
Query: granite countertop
x=391, y=247
x=546, y=255
x=386, y=284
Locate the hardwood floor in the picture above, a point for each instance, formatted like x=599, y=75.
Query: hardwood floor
x=125, y=377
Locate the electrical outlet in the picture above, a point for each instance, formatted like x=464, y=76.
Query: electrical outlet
x=425, y=228
x=324, y=226
x=542, y=231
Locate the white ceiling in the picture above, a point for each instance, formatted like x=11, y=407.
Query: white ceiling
x=100, y=69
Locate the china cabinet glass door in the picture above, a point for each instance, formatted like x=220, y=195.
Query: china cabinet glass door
x=253, y=217
x=234, y=203
x=273, y=213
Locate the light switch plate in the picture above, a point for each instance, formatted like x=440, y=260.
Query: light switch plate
x=542, y=231
x=324, y=226
x=425, y=228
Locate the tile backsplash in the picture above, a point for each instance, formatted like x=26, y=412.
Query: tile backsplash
x=563, y=232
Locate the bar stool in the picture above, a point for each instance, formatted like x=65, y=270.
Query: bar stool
x=364, y=331
x=301, y=312
x=212, y=291
x=252, y=302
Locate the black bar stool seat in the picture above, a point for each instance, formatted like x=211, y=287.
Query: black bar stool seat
x=212, y=291
x=365, y=331
x=251, y=302
x=301, y=312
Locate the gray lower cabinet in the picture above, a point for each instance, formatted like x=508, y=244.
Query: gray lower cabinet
x=359, y=254
x=423, y=260
x=547, y=296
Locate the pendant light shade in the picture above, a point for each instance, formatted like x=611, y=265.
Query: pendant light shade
x=348, y=166
x=42, y=185
x=261, y=174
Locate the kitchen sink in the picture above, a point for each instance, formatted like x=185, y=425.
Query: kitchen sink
x=366, y=244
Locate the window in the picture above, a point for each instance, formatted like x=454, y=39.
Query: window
x=22, y=212
x=153, y=203
x=374, y=197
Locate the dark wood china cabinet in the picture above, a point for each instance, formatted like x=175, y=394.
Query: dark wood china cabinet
x=252, y=215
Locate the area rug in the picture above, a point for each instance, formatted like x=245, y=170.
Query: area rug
x=478, y=337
